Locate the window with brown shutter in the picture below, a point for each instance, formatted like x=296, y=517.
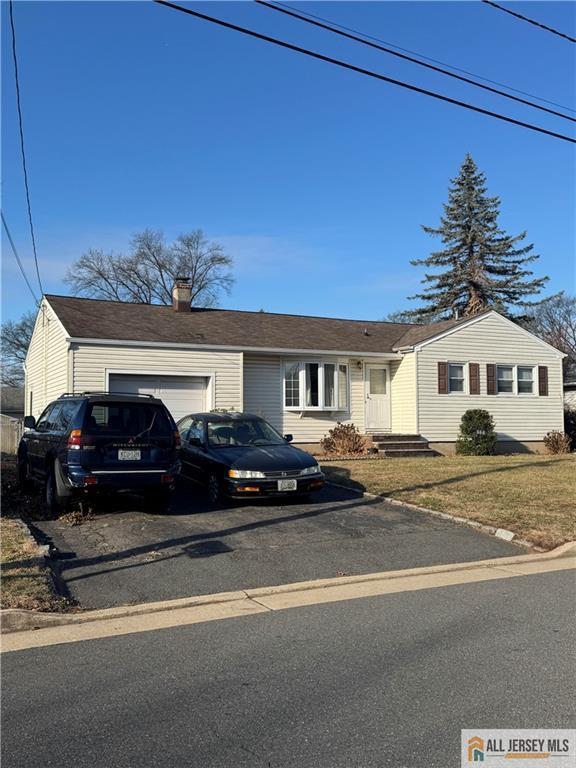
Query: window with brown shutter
x=474, y=378
x=490, y=379
x=543, y=380
x=442, y=378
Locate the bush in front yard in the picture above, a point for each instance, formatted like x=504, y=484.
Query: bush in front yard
x=477, y=436
x=343, y=440
x=570, y=424
x=557, y=442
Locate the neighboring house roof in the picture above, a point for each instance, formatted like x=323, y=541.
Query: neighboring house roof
x=12, y=400
x=100, y=319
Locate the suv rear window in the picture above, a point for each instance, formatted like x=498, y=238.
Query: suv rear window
x=127, y=419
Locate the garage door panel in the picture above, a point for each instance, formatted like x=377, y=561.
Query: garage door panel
x=181, y=394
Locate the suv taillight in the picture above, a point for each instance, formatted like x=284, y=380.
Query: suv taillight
x=177, y=441
x=75, y=439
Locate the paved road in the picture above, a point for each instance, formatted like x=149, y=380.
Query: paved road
x=128, y=556
x=384, y=682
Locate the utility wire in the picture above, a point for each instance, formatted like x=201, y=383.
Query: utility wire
x=15, y=252
x=427, y=58
x=530, y=21
x=297, y=15
x=360, y=70
x=22, y=149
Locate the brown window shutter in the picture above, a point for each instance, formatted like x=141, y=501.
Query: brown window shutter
x=474, y=378
x=543, y=380
x=442, y=378
x=490, y=379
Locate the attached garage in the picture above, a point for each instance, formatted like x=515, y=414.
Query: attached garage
x=181, y=394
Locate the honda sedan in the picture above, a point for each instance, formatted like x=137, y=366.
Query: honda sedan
x=240, y=455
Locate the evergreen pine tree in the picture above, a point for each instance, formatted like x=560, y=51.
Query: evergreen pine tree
x=480, y=266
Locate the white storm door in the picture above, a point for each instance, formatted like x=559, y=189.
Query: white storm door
x=377, y=397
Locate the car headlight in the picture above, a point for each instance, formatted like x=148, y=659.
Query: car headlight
x=310, y=470
x=245, y=474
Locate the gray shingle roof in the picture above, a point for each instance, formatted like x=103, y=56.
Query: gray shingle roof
x=100, y=319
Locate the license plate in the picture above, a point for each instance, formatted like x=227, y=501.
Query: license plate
x=129, y=455
x=287, y=485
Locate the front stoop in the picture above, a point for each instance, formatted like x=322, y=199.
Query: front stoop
x=402, y=446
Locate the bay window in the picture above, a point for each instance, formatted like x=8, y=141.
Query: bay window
x=312, y=385
x=292, y=385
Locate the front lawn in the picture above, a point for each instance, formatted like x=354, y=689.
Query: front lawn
x=26, y=581
x=534, y=496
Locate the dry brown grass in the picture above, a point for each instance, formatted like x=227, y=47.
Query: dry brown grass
x=534, y=496
x=25, y=582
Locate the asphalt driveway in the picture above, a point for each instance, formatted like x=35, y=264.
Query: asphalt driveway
x=125, y=555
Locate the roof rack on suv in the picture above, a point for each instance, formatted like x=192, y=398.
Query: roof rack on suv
x=90, y=393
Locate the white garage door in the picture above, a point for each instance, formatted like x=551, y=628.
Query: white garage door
x=180, y=394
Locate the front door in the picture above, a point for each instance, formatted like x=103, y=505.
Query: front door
x=377, y=397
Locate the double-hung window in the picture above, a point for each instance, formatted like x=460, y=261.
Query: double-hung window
x=456, y=377
x=515, y=379
x=315, y=385
x=505, y=379
x=525, y=380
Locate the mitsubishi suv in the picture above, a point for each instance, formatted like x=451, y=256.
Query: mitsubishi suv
x=93, y=443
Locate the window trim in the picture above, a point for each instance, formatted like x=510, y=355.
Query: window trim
x=465, y=382
x=321, y=407
x=515, y=392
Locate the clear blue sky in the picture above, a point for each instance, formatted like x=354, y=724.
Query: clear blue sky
x=316, y=180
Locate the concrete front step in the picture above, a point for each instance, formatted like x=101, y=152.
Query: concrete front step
x=397, y=453
x=401, y=444
x=386, y=437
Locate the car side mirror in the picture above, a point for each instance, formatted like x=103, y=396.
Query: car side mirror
x=29, y=422
x=288, y=438
x=196, y=442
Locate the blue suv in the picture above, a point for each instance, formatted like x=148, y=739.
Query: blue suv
x=97, y=443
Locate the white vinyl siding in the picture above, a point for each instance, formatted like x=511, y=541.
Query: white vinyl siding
x=491, y=339
x=263, y=395
x=94, y=362
x=46, y=372
x=403, y=395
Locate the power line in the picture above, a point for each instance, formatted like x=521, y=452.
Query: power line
x=428, y=58
x=22, y=149
x=297, y=15
x=361, y=70
x=530, y=21
x=15, y=252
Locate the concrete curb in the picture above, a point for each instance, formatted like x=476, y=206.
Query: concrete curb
x=14, y=620
x=501, y=533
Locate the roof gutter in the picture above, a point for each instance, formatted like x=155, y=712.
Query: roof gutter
x=232, y=348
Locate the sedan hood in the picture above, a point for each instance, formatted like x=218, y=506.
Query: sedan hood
x=266, y=458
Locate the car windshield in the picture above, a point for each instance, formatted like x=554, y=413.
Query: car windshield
x=129, y=419
x=246, y=432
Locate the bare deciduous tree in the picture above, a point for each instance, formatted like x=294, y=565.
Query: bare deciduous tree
x=145, y=274
x=554, y=320
x=15, y=340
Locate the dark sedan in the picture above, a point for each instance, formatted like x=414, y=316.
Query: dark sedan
x=240, y=455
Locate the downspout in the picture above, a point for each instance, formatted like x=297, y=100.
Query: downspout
x=417, y=393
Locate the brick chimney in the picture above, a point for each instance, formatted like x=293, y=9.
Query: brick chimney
x=181, y=295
